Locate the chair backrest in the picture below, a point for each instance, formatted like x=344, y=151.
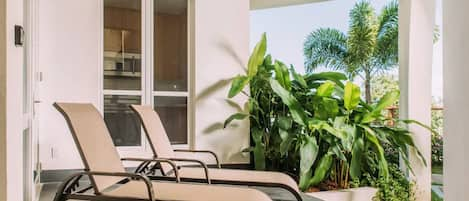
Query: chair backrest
x=156, y=134
x=93, y=141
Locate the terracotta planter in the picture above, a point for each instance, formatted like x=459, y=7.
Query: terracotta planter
x=354, y=194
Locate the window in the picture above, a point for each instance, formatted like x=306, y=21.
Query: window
x=145, y=62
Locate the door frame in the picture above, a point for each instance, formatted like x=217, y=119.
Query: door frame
x=32, y=183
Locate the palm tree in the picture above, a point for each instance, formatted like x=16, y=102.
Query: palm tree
x=369, y=47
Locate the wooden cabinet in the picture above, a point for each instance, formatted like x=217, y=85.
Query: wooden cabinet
x=122, y=25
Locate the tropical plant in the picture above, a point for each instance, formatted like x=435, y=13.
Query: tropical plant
x=397, y=188
x=369, y=47
x=315, y=126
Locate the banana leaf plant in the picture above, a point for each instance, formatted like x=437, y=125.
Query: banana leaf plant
x=315, y=126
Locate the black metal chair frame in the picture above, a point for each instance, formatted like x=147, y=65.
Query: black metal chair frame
x=70, y=188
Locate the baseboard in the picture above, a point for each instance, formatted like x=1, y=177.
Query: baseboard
x=48, y=176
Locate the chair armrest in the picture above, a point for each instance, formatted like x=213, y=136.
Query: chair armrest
x=202, y=151
x=160, y=160
x=149, y=185
x=202, y=164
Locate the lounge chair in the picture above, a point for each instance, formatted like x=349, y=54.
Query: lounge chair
x=108, y=178
x=161, y=147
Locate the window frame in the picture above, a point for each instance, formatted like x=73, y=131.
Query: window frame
x=147, y=92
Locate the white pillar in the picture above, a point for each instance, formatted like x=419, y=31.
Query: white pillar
x=11, y=94
x=416, y=24
x=455, y=93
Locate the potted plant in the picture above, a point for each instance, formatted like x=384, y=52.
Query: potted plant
x=316, y=126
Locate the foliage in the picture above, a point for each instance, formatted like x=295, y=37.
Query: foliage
x=383, y=84
x=369, y=47
x=316, y=126
x=397, y=188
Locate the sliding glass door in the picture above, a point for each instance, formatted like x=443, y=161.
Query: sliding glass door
x=145, y=62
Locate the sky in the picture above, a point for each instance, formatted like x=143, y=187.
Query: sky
x=288, y=27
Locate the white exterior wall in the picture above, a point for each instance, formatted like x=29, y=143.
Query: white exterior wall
x=221, y=52
x=69, y=56
x=455, y=93
x=416, y=25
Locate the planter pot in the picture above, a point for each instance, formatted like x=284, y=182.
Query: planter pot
x=354, y=194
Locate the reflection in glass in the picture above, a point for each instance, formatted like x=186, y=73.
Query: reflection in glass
x=170, y=42
x=122, y=45
x=121, y=121
x=173, y=114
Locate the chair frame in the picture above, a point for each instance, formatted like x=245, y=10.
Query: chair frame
x=204, y=165
x=70, y=188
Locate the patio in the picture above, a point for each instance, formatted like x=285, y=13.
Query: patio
x=189, y=61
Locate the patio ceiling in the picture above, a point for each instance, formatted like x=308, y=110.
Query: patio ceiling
x=263, y=4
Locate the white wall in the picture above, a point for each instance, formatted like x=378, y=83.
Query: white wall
x=455, y=93
x=221, y=52
x=69, y=57
x=416, y=24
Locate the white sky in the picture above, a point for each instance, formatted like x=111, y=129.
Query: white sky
x=287, y=28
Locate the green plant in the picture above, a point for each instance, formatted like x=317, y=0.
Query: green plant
x=315, y=126
x=369, y=47
x=397, y=188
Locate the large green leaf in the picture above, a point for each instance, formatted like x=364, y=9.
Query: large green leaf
x=351, y=96
x=321, y=170
x=284, y=122
x=237, y=85
x=282, y=75
x=259, y=149
x=296, y=110
x=237, y=116
x=308, y=153
x=305, y=178
x=326, y=108
x=299, y=78
x=316, y=124
x=285, y=144
x=371, y=137
x=332, y=76
x=257, y=56
x=386, y=101
x=326, y=89
x=358, y=152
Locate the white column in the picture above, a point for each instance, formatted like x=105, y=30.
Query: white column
x=416, y=24
x=455, y=93
x=11, y=94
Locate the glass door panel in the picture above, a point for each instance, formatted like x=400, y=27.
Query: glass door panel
x=122, y=45
x=170, y=43
x=173, y=114
x=170, y=70
x=121, y=121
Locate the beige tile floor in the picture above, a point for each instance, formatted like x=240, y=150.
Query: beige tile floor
x=49, y=189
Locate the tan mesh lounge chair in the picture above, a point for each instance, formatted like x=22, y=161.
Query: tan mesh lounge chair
x=110, y=182
x=161, y=148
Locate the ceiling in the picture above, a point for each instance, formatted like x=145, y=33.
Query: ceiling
x=263, y=4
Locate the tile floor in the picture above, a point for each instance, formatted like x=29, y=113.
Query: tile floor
x=49, y=189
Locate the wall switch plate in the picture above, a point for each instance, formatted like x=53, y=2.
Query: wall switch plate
x=19, y=36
